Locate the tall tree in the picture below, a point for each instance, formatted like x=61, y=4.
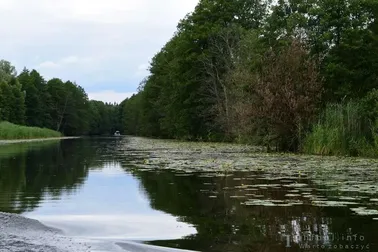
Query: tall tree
x=12, y=100
x=36, y=99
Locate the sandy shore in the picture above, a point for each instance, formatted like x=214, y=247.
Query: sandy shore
x=34, y=140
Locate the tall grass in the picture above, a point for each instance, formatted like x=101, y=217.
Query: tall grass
x=10, y=131
x=343, y=130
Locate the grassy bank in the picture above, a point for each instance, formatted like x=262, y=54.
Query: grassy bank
x=10, y=131
x=344, y=129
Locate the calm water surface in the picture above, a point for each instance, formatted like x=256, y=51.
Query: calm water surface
x=90, y=189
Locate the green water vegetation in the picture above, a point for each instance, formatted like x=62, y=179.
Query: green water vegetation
x=349, y=128
x=13, y=131
x=289, y=75
x=258, y=180
x=28, y=99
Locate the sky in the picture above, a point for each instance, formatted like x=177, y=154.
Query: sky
x=105, y=46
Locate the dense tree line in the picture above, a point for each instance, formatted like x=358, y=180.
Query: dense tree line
x=262, y=72
x=28, y=99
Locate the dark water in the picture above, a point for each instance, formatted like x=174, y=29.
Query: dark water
x=88, y=188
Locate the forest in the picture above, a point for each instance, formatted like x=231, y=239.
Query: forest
x=28, y=99
x=292, y=75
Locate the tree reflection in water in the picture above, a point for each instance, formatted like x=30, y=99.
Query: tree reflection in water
x=224, y=224
x=34, y=172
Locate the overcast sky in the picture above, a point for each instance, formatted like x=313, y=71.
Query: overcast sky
x=103, y=45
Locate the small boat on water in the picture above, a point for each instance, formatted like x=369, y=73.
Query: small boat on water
x=117, y=133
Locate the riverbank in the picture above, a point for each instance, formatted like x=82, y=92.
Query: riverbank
x=18, y=234
x=34, y=140
x=10, y=131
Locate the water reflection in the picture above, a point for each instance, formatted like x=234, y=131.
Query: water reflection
x=30, y=172
x=88, y=188
x=110, y=206
x=213, y=206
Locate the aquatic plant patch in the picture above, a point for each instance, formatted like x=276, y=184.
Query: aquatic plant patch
x=258, y=177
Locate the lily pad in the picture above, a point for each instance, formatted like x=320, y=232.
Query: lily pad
x=293, y=191
x=348, y=198
x=237, y=196
x=307, y=196
x=296, y=185
x=259, y=203
x=292, y=195
x=330, y=203
x=364, y=211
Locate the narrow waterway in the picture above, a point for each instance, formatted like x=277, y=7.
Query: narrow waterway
x=131, y=192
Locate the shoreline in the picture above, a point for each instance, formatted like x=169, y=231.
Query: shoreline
x=18, y=233
x=14, y=141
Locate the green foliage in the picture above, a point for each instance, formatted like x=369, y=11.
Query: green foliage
x=131, y=115
x=37, y=99
x=69, y=107
x=342, y=34
x=7, y=71
x=104, y=118
x=61, y=106
x=343, y=129
x=13, y=131
x=212, y=80
x=230, y=73
x=12, y=106
x=370, y=110
x=173, y=101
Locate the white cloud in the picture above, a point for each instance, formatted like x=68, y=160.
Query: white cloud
x=70, y=60
x=109, y=96
x=47, y=64
x=88, y=40
x=6, y=4
x=66, y=61
x=143, y=67
x=142, y=70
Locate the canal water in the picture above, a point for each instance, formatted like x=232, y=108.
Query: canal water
x=127, y=190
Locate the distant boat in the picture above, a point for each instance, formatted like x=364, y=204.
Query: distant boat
x=117, y=133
